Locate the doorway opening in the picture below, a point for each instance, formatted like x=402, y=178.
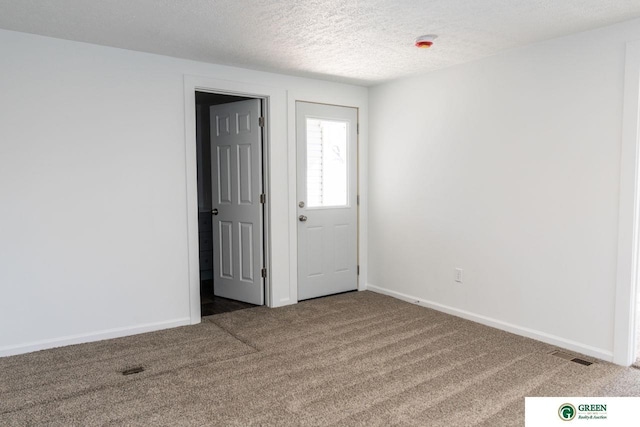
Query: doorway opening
x=231, y=197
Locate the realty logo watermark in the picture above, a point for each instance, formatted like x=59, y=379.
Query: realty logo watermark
x=567, y=412
x=584, y=411
x=578, y=411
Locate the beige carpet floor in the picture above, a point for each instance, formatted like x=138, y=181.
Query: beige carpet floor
x=357, y=359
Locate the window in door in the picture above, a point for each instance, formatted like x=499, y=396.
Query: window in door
x=327, y=161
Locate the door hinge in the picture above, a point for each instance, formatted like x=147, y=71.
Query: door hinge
x=263, y=273
x=263, y=198
x=261, y=122
x=358, y=270
x=358, y=200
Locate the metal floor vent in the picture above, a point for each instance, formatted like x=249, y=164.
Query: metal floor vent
x=570, y=357
x=132, y=371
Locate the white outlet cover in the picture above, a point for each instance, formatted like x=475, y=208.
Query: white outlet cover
x=458, y=275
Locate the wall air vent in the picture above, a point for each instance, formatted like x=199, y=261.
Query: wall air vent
x=570, y=357
x=582, y=361
x=132, y=371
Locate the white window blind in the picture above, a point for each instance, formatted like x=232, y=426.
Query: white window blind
x=326, y=163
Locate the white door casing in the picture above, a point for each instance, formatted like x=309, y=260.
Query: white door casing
x=236, y=157
x=327, y=210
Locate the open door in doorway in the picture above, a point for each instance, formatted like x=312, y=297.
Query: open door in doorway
x=237, y=200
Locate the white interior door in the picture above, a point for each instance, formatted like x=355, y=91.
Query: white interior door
x=327, y=199
x=236, y=165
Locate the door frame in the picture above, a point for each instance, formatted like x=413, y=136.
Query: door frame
x=269, y=97
x=624, y=333
x=264, y=105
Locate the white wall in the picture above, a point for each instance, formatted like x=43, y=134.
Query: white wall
x=93, y=188
x=508, y=168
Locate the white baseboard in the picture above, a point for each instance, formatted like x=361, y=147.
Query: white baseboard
x=498, y=324
x=90, y=337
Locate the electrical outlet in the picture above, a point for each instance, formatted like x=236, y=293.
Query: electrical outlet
x=458, y=275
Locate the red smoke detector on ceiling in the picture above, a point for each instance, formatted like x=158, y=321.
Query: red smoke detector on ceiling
x=425, y=42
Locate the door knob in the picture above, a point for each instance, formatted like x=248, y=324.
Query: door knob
x=214, y=211
x=302, y=218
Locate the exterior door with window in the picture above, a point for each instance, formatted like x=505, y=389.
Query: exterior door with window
x=327, y=140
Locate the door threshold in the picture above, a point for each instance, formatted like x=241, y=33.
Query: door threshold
x=329, y=295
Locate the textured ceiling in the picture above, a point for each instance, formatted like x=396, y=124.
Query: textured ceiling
x=355, y=41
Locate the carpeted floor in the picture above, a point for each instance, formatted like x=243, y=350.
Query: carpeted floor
x=358, y=359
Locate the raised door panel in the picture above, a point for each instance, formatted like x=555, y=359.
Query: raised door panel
x=223, y=127
x=245, y=168
x=223, y=161
x=225, y=249
x=341, y=248
x=315, y=251
x=245, y=241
